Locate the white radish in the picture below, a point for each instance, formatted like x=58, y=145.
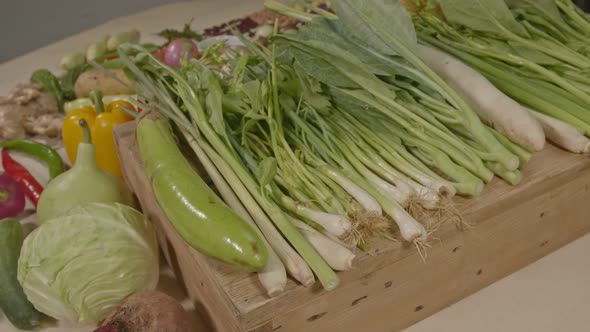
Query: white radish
x=493, y=107
x=563, y=134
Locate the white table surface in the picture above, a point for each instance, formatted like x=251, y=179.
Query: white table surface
x=550, y=295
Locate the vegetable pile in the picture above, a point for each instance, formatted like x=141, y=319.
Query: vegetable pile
x=323, y=139
x=533, y=51
x=318, y=126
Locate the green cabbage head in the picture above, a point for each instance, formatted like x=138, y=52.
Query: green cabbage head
x=80, y=266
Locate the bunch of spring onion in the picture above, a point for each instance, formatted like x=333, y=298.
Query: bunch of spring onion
x=533, y=51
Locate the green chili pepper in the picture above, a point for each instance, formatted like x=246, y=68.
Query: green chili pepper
x=40, y=151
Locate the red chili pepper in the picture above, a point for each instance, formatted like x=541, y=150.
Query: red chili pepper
x=139, y=109
x=32, y=187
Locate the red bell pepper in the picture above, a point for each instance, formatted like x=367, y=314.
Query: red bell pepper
x=18, y=172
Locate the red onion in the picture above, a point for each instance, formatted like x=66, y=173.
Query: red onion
x=180, y=48
x=159, y=53
x=12, y=197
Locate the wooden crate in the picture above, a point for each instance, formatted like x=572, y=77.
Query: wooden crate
x=391, y=287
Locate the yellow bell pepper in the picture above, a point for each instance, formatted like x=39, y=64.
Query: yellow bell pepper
x=81, y=102
x=101, y=122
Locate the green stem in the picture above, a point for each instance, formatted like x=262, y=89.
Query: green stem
x=512, y=86
x=522, y=62
x=522, y=154
x=450, y=144
x=573, y=14
x=96, y=97
x=87, y=136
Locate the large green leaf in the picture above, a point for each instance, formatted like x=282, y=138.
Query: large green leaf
x=534, y=55
x=324, y=31
x=482, y=15
x=325, y=62
x=266, y=171
x=375, y=22
x=547, y=7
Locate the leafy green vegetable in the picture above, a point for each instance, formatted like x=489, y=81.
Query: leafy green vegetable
x=375, y=22
x=547, y=7
x=80, y=266
x=49, y=84
x=266, y=171
x=186, y=32
x=68, y=80
x=492, y=16
x=545, y=71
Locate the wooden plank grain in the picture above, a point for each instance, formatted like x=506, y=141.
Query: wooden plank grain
x=407, y=291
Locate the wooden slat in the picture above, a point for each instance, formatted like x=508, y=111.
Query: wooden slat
x=391, y=287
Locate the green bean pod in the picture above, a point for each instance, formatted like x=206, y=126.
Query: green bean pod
x=203, y=220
